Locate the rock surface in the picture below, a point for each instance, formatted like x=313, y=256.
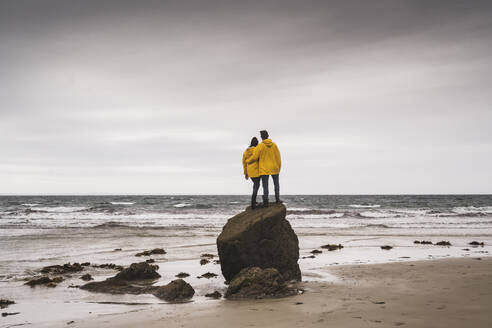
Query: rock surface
x=176, y=291
x=259, y=238
x=255, y=282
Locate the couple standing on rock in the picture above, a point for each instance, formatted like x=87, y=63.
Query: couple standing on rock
x=259, y=162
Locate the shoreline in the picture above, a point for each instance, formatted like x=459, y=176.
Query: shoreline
x=451, y=292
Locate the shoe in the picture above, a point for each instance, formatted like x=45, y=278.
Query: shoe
x=254, y=205
x=265, y=204
x=278, y=201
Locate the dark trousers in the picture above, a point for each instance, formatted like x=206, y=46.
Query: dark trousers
x=256, y=186
x=264, y=183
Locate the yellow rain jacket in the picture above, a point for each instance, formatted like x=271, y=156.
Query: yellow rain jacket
x=251, y=169
x=269, y=157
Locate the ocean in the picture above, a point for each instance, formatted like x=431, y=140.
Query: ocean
x=37, y=231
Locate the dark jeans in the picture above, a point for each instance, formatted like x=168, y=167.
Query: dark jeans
x=264, y=183
x=256, y=186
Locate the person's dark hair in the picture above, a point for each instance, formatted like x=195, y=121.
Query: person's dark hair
x=254, y=142
x=264, y=134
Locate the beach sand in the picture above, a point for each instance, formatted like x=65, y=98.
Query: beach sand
x=433, y=293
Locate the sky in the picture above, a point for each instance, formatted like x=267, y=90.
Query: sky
x=163, y=97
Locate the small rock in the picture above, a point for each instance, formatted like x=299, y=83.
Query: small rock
x=215, y=295
x=316, y=251
x=204, y=261
x=332, y=247
x=476, y=243
x=386, y=247
x=150, y=252
x=109, y=266
x=137, y=271
x=466, y=249
x=118, y=249
x=4, y=314
x=5, y=303
x=86, y=277
x=298, y=303
x=182, y=275
x=443, y=243
x=176, y=291
x=207, y=255
x=208, y=275
x=309, y=257
x=39, y=281
x=70, y=322
x=423, y=242
x=57, y=279
x=62, y=269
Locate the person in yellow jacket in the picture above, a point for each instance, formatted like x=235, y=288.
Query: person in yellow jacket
x=268, y=157
x=251, y=170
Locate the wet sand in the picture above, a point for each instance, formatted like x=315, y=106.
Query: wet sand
x=434, y=293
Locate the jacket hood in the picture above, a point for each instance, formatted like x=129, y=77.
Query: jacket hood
x=268, y=142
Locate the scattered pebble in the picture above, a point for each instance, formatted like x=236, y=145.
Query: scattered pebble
x=443, y=243
x=476, y=243
x=386, y=247
x=204, y=261
x=316, y=251
x=182, y=275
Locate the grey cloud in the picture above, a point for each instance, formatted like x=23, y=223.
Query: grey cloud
x=124, y=96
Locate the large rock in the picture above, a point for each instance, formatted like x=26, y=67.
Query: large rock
x=259, y=238
x=131, y=280
x=255, y=282
x=176, y=291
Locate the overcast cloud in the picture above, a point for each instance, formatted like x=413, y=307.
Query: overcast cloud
x=162, y=97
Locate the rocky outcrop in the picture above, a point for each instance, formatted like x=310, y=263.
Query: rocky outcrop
x=255, y=282
x=259, y=238
x=176, y=291
x=128, y=281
